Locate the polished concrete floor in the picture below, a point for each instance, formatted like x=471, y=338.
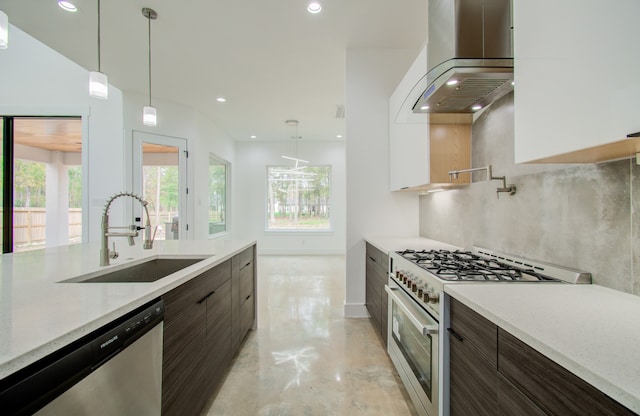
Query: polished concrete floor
x=305, y=358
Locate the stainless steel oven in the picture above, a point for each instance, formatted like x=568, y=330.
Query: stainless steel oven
x=418, y=309
x=413, y=347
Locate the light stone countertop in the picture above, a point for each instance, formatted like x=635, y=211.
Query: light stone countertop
x=39, y=315
x=389, y=244
x=590, y=330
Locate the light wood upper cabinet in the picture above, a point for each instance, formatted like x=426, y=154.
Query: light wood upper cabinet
x=423, y=148
x=577, y=83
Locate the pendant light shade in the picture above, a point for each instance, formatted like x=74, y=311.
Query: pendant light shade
x=149, y=114
x=98, y=82
x=4, y=30
x=98, y=85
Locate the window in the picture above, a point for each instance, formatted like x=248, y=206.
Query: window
x=218, y=177
x=299, y=198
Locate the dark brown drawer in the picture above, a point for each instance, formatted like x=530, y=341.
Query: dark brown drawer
x=553, y=388
x=243, y=258
x=512, y=402
x=378, y=257
x=180, y=300
x=217, y=276
x=475, y=329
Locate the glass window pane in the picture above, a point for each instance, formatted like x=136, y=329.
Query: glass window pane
x=299, y=198
x=29, y=205
x=217, y=195
x=160, y=185
x=47, y=179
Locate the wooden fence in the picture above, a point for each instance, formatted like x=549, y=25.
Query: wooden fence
x=30, y=225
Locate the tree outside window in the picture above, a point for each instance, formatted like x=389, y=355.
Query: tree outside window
x=217, y=195
x=299, y=198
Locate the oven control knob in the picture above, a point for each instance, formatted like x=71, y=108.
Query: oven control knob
x=434, y=297
x=420, y=291
x=414, y=287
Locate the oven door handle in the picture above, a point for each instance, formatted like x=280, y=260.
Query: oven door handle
x=424, y=324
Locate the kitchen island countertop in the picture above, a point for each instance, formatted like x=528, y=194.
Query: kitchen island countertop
x=39, y=315
x=590, y=330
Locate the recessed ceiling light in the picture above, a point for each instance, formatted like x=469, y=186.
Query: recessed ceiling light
x=314, y=6
x=452, y=82
x=253, y=137
x=67, y=5
x=424, y=107
x=221, y=99
x=339, y=136
x=476, y=107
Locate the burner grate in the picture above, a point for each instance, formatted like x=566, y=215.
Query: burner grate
x=467, y=266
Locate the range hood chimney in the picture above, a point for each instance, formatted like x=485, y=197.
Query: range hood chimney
x=469, y=56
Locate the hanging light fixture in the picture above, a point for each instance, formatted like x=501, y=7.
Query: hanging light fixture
x=4, y=30
x=98, y=83
x=149, y=114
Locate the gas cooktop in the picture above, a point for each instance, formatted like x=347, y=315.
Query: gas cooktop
x=485, y=265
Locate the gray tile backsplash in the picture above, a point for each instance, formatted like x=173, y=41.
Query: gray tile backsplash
x=581, y=216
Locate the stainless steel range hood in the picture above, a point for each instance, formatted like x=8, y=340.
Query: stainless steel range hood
x=469, y=56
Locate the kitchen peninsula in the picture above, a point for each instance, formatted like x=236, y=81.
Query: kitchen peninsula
x=39, y=314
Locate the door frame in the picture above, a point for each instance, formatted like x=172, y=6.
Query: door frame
x=138, y=137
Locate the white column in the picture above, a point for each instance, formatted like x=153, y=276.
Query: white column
x=57, y=178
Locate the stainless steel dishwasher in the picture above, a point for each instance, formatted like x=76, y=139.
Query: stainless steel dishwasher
x=115, y=370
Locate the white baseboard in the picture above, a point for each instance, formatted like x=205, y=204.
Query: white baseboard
x=355, y=310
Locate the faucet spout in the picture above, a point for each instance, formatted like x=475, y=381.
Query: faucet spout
x=105, y=233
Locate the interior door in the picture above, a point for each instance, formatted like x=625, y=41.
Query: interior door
x=160, y=177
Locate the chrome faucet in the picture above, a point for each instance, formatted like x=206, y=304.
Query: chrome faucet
x=105, y=253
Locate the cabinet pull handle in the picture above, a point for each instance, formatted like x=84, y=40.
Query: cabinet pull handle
x=205, y=298
x=247, y=298
x=372, y=259
x=455, y=334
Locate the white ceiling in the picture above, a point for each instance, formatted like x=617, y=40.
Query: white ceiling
x=271, y=59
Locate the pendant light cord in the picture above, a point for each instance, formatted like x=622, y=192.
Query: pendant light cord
x=99, y=36
x=149, y=19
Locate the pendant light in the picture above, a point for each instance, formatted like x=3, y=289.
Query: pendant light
x=4, y=30
x=149, y=115
x=98, y=83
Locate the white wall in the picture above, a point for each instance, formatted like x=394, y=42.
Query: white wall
x=371, y=77
x=36, y=80
x=250, y=202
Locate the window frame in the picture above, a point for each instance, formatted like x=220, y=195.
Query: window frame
x=297, y=231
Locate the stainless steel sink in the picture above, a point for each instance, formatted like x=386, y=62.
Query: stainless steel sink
x=149, y=271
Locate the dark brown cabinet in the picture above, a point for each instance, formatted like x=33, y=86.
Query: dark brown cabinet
x=550, y=386
x=184, y=349
x=199, y=343
x=491, y=372
x=377, y=264
x=219, y=349
x=473, y=368
x=243, y=292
